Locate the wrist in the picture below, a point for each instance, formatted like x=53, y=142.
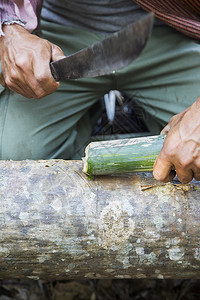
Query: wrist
x=10, y=32
x=12, y=28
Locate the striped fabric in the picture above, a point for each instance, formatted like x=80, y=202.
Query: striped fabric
x=183, y=15
x=192, y=5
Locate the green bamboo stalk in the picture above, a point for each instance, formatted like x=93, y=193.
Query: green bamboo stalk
x=122, y=156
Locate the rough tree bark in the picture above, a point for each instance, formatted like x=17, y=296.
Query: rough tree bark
x=56, y=223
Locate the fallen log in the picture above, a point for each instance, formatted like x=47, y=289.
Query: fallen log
x=57, y=223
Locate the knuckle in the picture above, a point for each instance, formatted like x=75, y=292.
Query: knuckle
x=22, y=61
x=185, y=162
x=168, y=151
x=41, y=77
x=13, y=75
x=9, y=82
x=43, y=44
x=58, y=49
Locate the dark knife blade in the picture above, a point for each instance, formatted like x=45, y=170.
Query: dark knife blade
x=113, y=53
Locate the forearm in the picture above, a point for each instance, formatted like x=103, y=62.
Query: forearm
x=22, y=12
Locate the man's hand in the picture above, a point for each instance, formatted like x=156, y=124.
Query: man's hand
x=181, y=149
x=25, y=62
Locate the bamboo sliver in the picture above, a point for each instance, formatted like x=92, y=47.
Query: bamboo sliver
x=122, y=156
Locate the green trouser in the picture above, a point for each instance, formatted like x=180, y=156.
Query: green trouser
x=163, y=81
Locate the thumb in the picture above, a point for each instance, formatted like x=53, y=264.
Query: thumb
x=57, y=53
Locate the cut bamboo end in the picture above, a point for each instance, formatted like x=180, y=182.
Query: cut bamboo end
x=85, y=159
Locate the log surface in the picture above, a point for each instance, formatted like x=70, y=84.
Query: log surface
x=56, y=223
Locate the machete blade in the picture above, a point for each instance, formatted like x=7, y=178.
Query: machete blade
x=111, y=54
